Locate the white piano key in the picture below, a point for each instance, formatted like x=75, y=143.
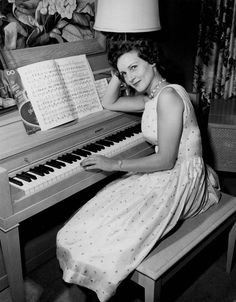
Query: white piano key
x=27, y=186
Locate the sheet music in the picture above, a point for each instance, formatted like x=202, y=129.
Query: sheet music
x=101, y=86
x=50, y=100
x=60, y=90
x=78, y=79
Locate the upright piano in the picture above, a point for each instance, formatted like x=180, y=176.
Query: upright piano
x=40, y=170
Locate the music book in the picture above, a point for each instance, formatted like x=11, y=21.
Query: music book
x=54, y=92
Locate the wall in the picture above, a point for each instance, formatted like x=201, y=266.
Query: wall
x=179, y=20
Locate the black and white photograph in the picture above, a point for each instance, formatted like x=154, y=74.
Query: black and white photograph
x=117, y=150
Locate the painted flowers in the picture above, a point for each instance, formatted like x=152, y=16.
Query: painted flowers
x=29, y=23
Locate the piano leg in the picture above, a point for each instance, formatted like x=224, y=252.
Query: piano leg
x=12, y=257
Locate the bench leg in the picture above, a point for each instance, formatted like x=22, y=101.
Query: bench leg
x=12, y=257
x=231, y=248
x=152, y=290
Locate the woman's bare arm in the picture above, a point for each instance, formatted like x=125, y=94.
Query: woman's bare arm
x=113, y=101
x=170, y=123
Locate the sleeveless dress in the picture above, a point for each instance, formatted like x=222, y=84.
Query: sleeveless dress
x=113, y=232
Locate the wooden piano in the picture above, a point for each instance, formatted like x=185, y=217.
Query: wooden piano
x=20, y=152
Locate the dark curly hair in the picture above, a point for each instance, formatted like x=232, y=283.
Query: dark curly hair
x=146, y=47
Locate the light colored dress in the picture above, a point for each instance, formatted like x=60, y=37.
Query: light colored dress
x=113, y=232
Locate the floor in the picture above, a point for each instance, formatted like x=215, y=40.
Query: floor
x=203, y=280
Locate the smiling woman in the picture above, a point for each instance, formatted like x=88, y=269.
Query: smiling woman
x=139, y=64
x=113, y=232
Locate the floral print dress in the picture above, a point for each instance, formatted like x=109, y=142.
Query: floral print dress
x=113, y=232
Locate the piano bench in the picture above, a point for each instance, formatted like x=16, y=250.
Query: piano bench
x=190, y=237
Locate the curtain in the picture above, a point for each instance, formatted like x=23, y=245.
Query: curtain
x=215, y=63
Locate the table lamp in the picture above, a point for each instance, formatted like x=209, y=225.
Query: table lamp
x=127, y=16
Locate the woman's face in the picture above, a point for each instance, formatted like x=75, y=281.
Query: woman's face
x=136, y=72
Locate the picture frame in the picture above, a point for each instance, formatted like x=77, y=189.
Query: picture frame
x=14, y=58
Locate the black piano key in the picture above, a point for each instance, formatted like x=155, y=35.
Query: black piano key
x=23, y=177
x=49, y=169
x=126, y=133
x=113, y=138
x=46, y=169
x=101, y=147
x=43, y=169
x=121, y=135
x=82, y=152
x=129, y=132
x=93, y=147
x=59, y=162
x=15, y=181
x=78, y=156
x=137, y=128
x=72, y=157
x=37, y=171
x=104, y=143
x=29, y=175
x=65, y=159
x=55, y=164
x=133, y=130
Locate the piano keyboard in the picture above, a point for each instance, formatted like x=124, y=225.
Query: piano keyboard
x=68, y=164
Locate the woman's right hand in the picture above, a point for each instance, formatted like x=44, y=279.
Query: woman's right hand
x=116, y=73
x=112, y=99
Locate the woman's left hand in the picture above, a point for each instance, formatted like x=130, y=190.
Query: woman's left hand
x=99, y=162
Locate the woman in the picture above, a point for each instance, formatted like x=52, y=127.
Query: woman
x=111, y=234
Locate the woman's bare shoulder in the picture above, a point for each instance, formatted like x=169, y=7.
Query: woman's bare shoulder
x=169, y=96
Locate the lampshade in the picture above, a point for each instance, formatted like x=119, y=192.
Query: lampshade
x=127, y=16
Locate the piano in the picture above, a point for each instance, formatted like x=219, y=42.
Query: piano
x=40, y=170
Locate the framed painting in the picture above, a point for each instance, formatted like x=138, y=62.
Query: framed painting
x=34, y=30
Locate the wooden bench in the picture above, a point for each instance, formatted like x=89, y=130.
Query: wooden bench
x=173, y=252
